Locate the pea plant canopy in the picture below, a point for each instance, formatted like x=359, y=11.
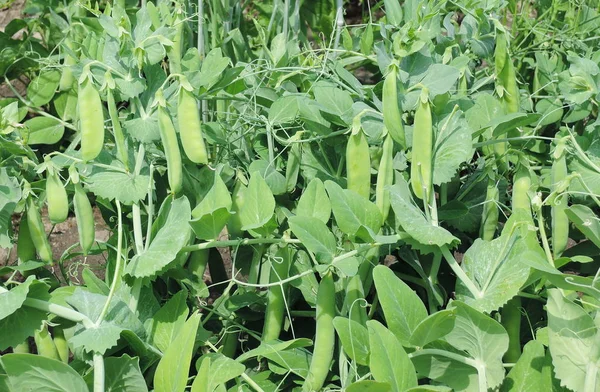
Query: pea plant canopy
x=301, y=195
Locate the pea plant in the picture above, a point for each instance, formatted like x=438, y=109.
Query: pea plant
x=301, y=195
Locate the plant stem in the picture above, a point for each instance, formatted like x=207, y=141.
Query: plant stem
x=246, y=241
x=98, y=373
x=544, y=238
x=60, y=311
x=590, y=377
x=447, y=354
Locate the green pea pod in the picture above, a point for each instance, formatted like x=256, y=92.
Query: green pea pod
x=22, y=348
x=392, y=114
x=37, y=232
x=511, y=321
x=190, y=129
x=66, y=78
x=25, y=245
x=56, y=198
x=422, y=150
x=175, y=50
x=45, y=344
x=61, y=344
x=92, y=121
x=385, y=177
x=172, y=153
x=117, y=130
x=325, y=336
x=358, y=163
x=560, y=221
x=275, y=311
x=354, y=301
x=292, y=168
x=521, y=186
x=85, y=219
x=229, y=344
x=489, y=217
x=234, y=225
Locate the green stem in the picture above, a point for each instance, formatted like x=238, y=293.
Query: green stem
x=246, y=241
x=544, y=238
x=150, y=210
x=98, y=373
x=590, y=377
x=447, y=354
x=61, y=311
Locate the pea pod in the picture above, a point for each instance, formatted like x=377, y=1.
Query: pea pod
x=92, y=121
x=505, y=75
x=511, y=320
x=56, y=198
x=521, y=185
x=392, y=114
x=37, y=232
x=422, y=149
x=358, y=166
x=45, y=344
x=385, y=177
x=66, y=78
x=489, y=217
x=292, y=169
x=325, y=336
x=560, y=221
x=172, y=153
x=25, y=245
x=275, y=311
x=117, y=130
x=176, y=48
x=61, y=344
x=190, y=129
x=85, y=219
x=22, y=348
x=354, y=301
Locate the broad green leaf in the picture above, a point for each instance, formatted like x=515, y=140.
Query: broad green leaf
x=97, y=339
x=295, y=360
x=123, y=374
x=222, y=369
x=453, y=146
x=44, y=130
x=284, y=110
x=201, y=382
x=315, y=236
x=336, y=103
x=42, y=88
x=393, y=12
x=388, y=361
x=143, y=129
x=307, y=284
x=163, y=249
x=402, y=307
x=212, y=68
x=128, y=188
x=485, y=110
x=454, y=209
x=502, y=124
x=354, y=338
x=528, y=373
x=36, y=373
x=440, y=78
x=12, y=300
x=10, y=194
x=369, y=385
x=425, y=388
x=213, y=212
x=435, y=326
x=274, y=179
x=586, y=221
x=173, y=369
x=483, y=338
x=20, y=325
x=274, y=347
x=259, y=204
x=354, y=215
x=412, y=220
x=574, y=343
x=168, y=321
x=314, y=202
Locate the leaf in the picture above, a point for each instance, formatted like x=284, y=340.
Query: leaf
x=355, y=215
x=12, y=300
x=213, y=212
x=483, y=338
x=37, y=373
x=502, y=124
x=44, y=130
x=440, y=78
x=128, y=188
x=166, y=324
x=212, y=68
x=97, y=339
x=435, y=326
x=315, y=236
x=143, y=129
x=222, y=369
x=454, y=209
x=201, y=382
x=314, y=202
x=284, y=110
x=527, y=375
x=336, y=103
x=123, y=374
x=276, y=181
x=412, y=220
x=169, y=240
x=402, y=308
x=173, y=369
x=274, y=347
x=574, y=343
x=354, y=338
x=369, y=385
x=586, y=221
x=388, y=361
x=19, y=326
x=259, y=204
x=10, y=194
x=42, y=88
x=453, y=146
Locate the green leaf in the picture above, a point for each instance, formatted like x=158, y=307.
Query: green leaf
x=284, y=110
x=274, y=179
x=354, y=215
x=143, y=129
x=173, y=369
x=213, y=212
x=454, y=209
x=166, y=324
x=44, y=130
x=483, y=338
x=123, y=374
x=502, y=124
x=435, y=326
x=201, y=382
x=315, y=236
x=222, y=369
x=128, y=188
x=354, y=338
x=412, y=220
x=369, y=386
x=274, y=347
x=11, y=301
x=528, y=373
x=586, y=221
x=42, y=88
x=163, y=249
x=97, y=339
x=259, y=204
x=212, y=68
x=453, y=146
x=36, y=373
x=314, y=202
x=402, y=307
x=440, y=78
x=20, y=325
x=388, y=360
x=10, y=194
x=336, y=104
x=574, y=343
